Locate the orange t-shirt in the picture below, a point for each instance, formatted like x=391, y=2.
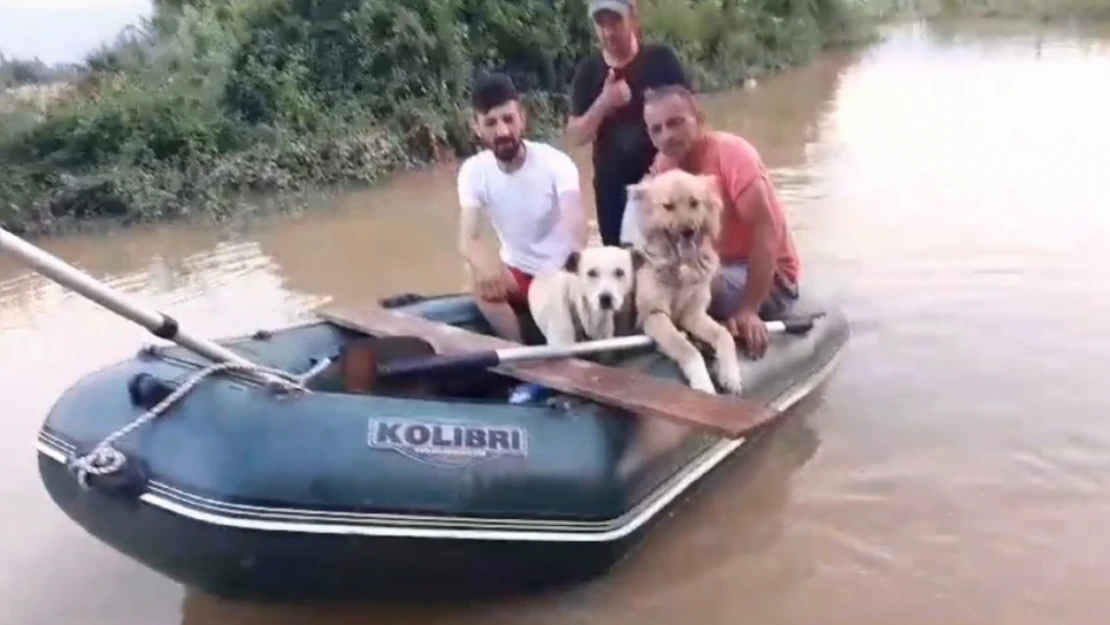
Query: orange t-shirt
x=737, y=164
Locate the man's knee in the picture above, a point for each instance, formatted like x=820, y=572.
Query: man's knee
x=727, y=291
x=483, y=299
x=727, y=294
x=777, y=305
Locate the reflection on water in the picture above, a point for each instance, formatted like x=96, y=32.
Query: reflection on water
x=946, y=186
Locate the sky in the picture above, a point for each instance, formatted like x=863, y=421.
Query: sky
x=63, y=30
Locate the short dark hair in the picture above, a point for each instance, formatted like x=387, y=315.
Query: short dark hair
x=492, y=90
x=677, y=89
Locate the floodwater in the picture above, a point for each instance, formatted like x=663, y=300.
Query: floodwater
x=947, y=187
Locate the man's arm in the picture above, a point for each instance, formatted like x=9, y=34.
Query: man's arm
x=582, y=130
x=483, y=270
x=470, y=231
x=574, y=217
x=754, y=205
x=470, y=216
x=588, y=109
x=571, y=212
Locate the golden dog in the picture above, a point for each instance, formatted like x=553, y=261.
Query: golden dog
x=679, y=218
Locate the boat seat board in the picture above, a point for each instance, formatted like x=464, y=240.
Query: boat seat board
x=640, y=393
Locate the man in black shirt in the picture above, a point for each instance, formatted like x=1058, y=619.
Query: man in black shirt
x=607, y=106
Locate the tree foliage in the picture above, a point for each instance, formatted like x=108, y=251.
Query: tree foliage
x=211, y=97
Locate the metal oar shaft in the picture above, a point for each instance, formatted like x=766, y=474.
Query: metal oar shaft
x=159, y=324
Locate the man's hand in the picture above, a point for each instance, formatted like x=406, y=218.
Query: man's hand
x=495, y=282
x=491, y=277
x=616, y=91
x=752, y=332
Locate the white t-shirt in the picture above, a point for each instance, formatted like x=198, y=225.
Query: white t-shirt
x=523, y=206
x=630, y=225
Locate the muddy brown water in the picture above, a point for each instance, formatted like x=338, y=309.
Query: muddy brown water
x=947, y=187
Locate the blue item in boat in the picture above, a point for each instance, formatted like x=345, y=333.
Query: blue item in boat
x=529, y=393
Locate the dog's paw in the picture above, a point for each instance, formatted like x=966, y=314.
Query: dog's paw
x=729, y=378
x=703, y=383
x=697, y=374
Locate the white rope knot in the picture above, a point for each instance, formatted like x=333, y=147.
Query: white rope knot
x=102, y=460
x=105, y=459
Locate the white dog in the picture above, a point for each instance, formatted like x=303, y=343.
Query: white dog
x=590, y=298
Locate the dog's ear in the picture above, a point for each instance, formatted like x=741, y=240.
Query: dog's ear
x=638, y=258
x=637, y=192
x=638, y=199
x=571, y=263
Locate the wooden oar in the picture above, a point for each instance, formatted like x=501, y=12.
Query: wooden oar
x=634, y=392
x=159, y=324
x=491, y=358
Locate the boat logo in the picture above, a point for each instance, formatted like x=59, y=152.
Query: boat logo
x=446, y=443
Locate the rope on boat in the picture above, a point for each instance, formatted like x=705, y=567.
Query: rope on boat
x=105, y=459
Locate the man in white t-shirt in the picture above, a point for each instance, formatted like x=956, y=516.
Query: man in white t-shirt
x=529, y=192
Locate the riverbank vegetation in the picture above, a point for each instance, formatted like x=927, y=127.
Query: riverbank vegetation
x=1041, y=9
x=211, y=101
x=1045, y=10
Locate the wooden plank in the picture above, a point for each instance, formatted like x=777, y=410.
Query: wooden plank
x=637, y=392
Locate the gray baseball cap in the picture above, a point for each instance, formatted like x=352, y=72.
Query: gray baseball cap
x=622, y=7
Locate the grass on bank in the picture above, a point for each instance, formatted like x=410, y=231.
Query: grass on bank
x=1042, y=9
x=214, y=99
x=1045, y=10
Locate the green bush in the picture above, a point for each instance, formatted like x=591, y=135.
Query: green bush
x=211, y=99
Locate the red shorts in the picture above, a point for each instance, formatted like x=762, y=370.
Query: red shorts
x=523, y=283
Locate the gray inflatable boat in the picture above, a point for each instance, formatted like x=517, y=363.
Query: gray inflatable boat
x=242, y=492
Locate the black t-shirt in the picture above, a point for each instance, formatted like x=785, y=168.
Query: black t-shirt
x=622, y=150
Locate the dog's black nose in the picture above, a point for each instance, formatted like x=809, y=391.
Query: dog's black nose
x=605, y=301
x=688, y=233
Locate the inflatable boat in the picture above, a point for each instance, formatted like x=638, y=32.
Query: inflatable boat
x=472, y=489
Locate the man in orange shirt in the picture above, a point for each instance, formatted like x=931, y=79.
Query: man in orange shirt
x=759, y=264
